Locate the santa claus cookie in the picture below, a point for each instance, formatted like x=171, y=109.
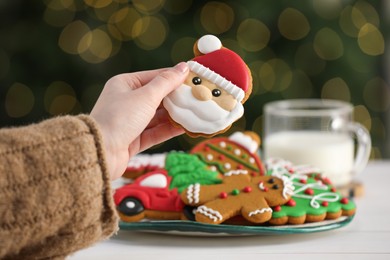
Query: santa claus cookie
x=236, y=152
x=239, y=194
x=212, y=96
x=314, y=198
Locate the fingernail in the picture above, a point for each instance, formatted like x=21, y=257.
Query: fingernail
x=182, y=67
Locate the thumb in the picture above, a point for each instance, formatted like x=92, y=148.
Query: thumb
x=165, y=82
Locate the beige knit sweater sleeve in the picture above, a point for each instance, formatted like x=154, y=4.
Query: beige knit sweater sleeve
x=55, y=195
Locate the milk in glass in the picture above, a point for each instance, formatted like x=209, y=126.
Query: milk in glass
x=333, y=153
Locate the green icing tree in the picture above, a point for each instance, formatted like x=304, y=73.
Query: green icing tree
x=186, y=169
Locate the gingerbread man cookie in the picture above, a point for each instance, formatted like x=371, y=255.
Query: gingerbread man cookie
x=239, y=194
x=212, y=96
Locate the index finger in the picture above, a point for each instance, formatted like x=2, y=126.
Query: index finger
x=137, y=79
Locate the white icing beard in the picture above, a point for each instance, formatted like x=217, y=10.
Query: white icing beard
x=198, y=116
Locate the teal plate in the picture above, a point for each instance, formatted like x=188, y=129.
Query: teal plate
x=195, y=228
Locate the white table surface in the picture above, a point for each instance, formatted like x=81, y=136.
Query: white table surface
x=366, y=237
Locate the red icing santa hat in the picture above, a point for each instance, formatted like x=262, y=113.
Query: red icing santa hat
x=221, y=66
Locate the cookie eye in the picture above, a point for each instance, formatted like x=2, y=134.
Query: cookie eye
x=275, y=187
x=196, y=80
x=272, y=180
x=216, y=92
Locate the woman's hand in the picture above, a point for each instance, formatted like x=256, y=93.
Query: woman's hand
x=130, y=115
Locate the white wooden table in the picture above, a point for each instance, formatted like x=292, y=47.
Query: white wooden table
x=367, y=237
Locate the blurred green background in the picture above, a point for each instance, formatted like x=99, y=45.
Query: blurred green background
x=56, y=55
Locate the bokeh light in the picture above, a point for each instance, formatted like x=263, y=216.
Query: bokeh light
x=71, y=35
x=293, y=24
x=216, y=17
x=328, y=45
x=148, y=6
x=328, y=9
x=150, y=32
x=95, y=46
x=59, y=98
x=253, y=35
x=98, y=3
x=362, y=116
x=336, y=88
x=376, y=94
x=122, y=22
x=182, y=49
x=370, y=40
x=275, y=75
x=19, y=100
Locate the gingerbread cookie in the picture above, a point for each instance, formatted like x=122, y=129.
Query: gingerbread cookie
x=236, y=152
x=314, y=198
x=239, y=194
x=212, y=96
x=149, y=196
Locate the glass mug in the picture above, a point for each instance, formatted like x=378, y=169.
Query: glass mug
x=319, y=133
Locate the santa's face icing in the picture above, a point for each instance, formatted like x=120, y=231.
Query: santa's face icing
x=200, y=106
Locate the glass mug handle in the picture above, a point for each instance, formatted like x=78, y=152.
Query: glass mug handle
x=363, y=142
x=363, y=146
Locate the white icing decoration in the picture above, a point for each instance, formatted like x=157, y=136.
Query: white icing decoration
x=259, y=211
x=222, y=144
x=288, y=187
x=314, y=185
x=252, y=160
x=236, y=172
x=245, y=141
x=209, y=43
x=261, y=186
x=227, y=166
x=199, y=116
x=281, y=166
x=325, y=196
x=210, y=213
x=209, y=157
x=237, y=151
x=193, y=193
x=213, y=168
x=157, y=180
x=142, y=160
x=217, y=79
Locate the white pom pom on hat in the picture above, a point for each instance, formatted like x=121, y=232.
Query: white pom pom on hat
x=209, y=43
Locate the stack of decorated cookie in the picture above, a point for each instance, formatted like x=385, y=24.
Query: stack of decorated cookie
x=223, y=180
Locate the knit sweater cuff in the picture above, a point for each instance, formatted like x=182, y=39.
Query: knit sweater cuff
x=109, y=214
x=55, y=195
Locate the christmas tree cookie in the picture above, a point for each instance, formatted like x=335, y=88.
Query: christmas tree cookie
x=186, y=169
x=314, y=198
